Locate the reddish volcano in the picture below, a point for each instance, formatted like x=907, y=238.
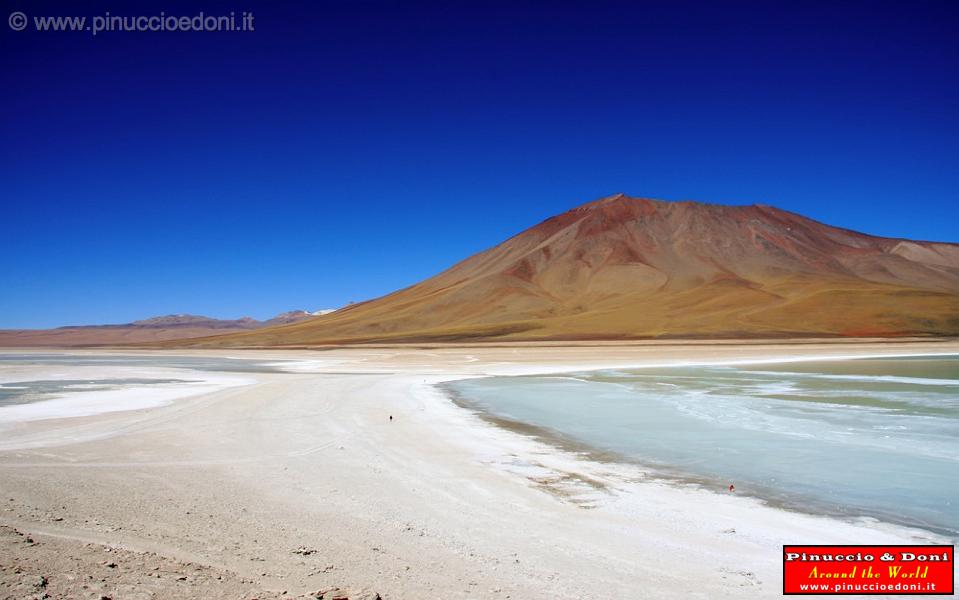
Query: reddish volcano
x=622, y=267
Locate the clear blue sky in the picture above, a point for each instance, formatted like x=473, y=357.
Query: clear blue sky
x=345, y=149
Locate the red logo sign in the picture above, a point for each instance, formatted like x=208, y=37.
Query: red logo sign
x=865, y=570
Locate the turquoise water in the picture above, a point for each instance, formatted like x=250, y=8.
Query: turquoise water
x=865, y=437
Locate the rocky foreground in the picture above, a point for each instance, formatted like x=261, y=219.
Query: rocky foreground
x=42, y=566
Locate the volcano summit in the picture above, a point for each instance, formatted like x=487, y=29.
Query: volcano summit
x=635, y=268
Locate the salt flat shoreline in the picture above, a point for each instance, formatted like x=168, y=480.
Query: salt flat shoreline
x=300, y=482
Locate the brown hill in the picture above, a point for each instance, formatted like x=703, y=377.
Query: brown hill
x=623, y=267
x=156, y=329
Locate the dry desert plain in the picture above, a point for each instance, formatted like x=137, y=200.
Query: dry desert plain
x=299, y=485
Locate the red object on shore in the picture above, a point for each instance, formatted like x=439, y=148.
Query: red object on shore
x=732, y=488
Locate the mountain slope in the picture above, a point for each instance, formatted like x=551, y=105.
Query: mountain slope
x=623, y=267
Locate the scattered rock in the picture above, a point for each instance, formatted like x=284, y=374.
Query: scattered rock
x=332, y=594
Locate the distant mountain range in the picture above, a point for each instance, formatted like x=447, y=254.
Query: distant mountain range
x=168, y=327
x=619, y=268
x=173, y=321
x=637, y=268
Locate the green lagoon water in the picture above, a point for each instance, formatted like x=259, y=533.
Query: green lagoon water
x=864, y=437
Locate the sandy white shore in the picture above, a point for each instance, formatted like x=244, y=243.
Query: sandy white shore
x=300, y=482
x=78, y=403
